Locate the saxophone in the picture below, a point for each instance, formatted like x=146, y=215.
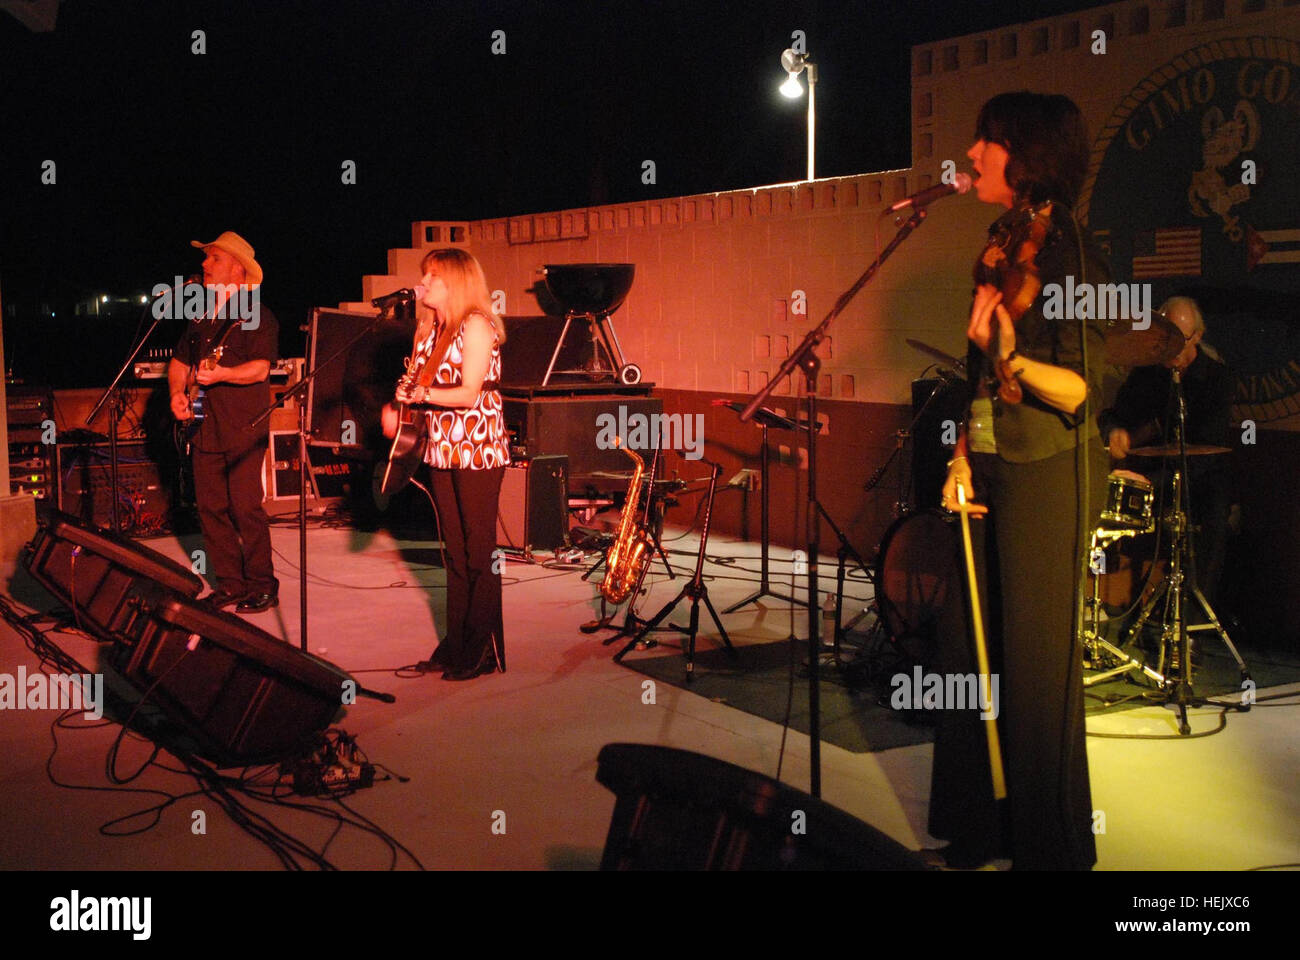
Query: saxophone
x=632, y=547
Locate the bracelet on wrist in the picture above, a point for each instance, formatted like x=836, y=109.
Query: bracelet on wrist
x=954, y=460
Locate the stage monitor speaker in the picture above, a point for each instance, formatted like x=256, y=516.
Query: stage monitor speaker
x=85, y=481
x=534, y=507
x=241, y=695
x=570, y=425
x=678, y=810
x=92, y=571
x=933, y=437
x=355, y=386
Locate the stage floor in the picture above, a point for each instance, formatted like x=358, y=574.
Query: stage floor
x=517, y=751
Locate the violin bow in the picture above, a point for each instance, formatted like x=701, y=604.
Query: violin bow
x=981, y=650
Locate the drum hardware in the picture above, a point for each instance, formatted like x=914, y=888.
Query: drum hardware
x=765, y=418
x=1175, y=632
x=696, y=589
x=1097, y=649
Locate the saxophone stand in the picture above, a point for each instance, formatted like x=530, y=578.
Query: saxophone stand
x=764, y=418
x=1175, y=633
x=631, y=621
x=654, y=513
x=697, y=590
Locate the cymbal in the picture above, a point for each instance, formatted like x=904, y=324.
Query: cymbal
x=1159, y=342
x=1171, y=450
x=936, y=353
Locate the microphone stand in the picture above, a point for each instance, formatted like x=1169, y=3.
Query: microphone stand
x=805, y=357
x=296, y=392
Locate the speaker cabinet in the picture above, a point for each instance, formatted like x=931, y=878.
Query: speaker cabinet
x=678, y=810
x=569, y=425
x=534, y=507
x=353, y=379
x=241, y=695
x=93, y=571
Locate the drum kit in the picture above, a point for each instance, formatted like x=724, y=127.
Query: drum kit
x=917, y=570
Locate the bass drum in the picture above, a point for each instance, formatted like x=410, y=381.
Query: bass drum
x=918, y=572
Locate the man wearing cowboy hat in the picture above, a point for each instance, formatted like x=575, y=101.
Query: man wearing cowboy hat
x=227, y=449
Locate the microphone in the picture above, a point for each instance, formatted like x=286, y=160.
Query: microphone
x=407, y=294
x=961, y=183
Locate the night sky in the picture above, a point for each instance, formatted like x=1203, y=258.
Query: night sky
x=156, y=146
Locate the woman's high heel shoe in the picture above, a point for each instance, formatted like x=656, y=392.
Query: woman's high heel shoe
x=487, y=663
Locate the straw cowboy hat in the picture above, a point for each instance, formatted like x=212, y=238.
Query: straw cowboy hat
x=240, y=249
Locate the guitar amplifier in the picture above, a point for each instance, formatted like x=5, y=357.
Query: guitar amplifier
x=534, y=507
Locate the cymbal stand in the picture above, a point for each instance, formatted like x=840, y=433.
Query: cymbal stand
x=1175, y=632
x=696, y=590
x=845, y=552
x=1094, y=643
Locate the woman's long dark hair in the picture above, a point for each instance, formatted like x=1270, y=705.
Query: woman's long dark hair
x=1047, y=141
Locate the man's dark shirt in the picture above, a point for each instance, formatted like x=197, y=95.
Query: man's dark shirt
x=1146, y=400
x=230, y=407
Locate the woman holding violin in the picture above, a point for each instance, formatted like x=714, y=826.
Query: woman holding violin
x=1019, y=462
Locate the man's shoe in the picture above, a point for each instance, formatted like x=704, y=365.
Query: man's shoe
x=219, y=599
x=257, y=602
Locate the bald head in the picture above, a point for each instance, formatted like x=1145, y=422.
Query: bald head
x=1183, y=313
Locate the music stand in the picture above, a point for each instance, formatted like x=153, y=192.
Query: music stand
x=765, y=418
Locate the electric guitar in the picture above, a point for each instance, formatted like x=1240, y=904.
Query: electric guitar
x=196, y=394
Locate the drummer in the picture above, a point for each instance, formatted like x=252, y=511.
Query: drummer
x=1144, y=414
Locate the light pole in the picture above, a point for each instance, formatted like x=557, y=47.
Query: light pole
x=794, y=64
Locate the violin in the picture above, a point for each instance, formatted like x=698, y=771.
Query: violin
x=1010, y=263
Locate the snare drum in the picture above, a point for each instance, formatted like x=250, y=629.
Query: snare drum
x=1129, y=501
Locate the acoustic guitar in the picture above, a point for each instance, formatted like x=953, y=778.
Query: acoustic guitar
x=407, y=451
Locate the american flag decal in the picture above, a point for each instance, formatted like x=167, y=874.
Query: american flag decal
x=1167, y=252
